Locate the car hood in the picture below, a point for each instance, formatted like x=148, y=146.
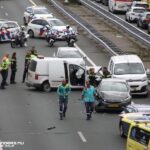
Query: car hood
x=131, y=77
x=114, y=96
x=59, y=28
x=43, y=16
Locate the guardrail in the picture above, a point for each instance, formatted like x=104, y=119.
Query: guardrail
x=115, y=50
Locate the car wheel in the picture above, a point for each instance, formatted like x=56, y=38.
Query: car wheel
x=130, y=20
x=148, y=31
x=46, y=86
x=138, y=25
x=121, y=130
x=126, y=18
x=31, y=33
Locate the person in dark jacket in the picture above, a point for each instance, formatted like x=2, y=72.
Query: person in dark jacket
x=13, y=68
x=26, y=65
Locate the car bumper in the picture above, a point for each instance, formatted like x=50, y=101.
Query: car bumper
x=36, y=85
x=112, y=106
x=138, y=88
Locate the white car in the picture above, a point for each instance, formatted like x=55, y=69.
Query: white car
x=7, y=29
x=133, y=13
x=36, y=27
x=143, y=4
x=33, y=12
x=70, y=53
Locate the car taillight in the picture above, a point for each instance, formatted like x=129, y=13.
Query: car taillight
x=146, y=20
x=36, y=76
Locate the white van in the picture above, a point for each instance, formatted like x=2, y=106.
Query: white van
x=48, y=72
x=119, y=5
x=131, y=68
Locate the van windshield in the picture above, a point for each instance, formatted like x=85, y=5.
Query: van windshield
x=32, y=65
x=128, y=68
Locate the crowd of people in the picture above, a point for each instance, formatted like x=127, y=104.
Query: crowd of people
x=8, y=61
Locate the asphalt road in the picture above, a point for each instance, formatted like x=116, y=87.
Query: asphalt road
x=31, y=116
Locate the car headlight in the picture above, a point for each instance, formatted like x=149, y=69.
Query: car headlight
x=144, y=79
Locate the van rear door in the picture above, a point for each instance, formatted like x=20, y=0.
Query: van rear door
x=56, y=72
x=31, y=71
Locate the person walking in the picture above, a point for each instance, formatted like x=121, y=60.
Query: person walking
x=63, y=91
x=88, y=96
x=26, y=65
x=13, y=68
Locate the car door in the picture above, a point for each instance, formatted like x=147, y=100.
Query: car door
x=76, y=75
x=138, y=139
x=13, y=28
x=36, y=26
x=56, y=72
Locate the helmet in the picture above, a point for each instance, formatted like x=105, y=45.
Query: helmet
x=22, y=28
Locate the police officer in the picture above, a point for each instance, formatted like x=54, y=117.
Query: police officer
x=13, y=68
x=88, y=96
x=63, y=91
x=4, y=72
x=26, y=65
x=7, y=60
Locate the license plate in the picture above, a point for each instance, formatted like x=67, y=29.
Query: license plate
x=114, y=105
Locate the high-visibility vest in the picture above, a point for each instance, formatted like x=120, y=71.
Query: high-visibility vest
x=4, y=65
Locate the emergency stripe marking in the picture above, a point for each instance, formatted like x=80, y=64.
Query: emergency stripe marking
x=82, y=136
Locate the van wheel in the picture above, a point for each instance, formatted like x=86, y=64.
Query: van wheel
x=46, y=87
x=121, y=130
x=31, y=33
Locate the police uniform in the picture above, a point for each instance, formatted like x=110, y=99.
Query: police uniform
x=13, y=69
x=26, y=66
x=4, y=72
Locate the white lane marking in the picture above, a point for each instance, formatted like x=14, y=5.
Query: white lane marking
x=32, y=2
x=2, y=7
x=82, y=137
x=6, y=14
x=81, y=51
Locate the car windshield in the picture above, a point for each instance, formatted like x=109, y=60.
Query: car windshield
x=56, y=22
x=142, y=5
x=113, y=86
x=138, y=10
x=69, y=54
x=41, y=11
x=128, y=68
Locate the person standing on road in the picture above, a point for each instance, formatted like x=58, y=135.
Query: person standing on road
x=88, y=96
x=6, y=59
x=63, y=92
x=26, y=65
x=105, y=73
x=4, y=70
x=13, y=68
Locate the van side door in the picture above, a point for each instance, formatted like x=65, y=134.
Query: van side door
x=76, y=75
x=138, y=139
x=56, y=72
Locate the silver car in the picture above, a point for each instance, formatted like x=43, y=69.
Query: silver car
x=112, y=94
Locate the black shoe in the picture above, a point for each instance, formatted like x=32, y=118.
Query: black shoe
x=3, y=88
x=61, y=117
x=88, y=117
x=6, y=84
x=64, y=115
x=13, y=82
